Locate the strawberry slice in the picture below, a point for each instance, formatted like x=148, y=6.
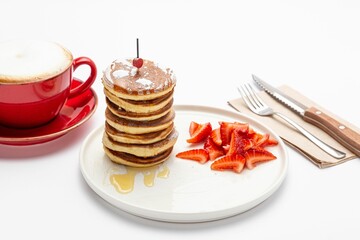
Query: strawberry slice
x=254, y=136
x=234, y=162
x=240, y=147
x=226, y=129
x=261, y=139
x=216, y=136
x=201, y=133
x=271, y=142
x=226, y=148
x=193, y=127
x=200, y=155
x=238, y=143
x=254, y=156
x=251, y=131
x=213, y=149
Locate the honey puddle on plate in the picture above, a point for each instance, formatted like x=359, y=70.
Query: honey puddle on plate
x=124, y=183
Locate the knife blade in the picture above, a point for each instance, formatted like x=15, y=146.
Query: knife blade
x=346, y=136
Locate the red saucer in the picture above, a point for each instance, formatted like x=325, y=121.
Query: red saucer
x=76, y=111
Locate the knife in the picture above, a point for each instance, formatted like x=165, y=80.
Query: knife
x=339, y=131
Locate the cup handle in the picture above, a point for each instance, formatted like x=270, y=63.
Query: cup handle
x=87, y=84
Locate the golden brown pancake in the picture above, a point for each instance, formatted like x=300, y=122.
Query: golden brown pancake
x=146, y=106
x=134, y=161
x=116, y=110
x=139, y=127
x=142, y=150
x=145, y=138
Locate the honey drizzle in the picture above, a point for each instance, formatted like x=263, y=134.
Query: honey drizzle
x=151, y=78
x=125, y=182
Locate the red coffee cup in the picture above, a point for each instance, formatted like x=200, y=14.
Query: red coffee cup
x=35, y=81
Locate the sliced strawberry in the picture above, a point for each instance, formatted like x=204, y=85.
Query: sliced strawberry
x=234, y=162
x=261, y=139
x=225, y=132
x=216, y=137
x=226, y=148
x=213, y=149
x=226, y=128
x=243, y=146
x=238, y=143
x=233, y=146
x=271, y=142
x=200, y=155
x=254, y=136
x=254, y=156
x=193, y=127
x=251, y=131
x=201, y=133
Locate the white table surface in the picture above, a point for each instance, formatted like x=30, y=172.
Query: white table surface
x=312, y=46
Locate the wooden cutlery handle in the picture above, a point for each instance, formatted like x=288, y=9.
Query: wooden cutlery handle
x=342, y=133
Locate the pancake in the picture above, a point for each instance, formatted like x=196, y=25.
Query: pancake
x=143, y=106
x=139, y=127
x=125, y=81
x=125, y=95
x=146, y=138
x=116, y=110
x=133, y=161
x=141, y=150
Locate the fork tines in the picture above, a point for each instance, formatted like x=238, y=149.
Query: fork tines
x=250, y=97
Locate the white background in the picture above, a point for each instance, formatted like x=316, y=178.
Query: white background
x=310, y=45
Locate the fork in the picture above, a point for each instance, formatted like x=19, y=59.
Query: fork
x=259, y=107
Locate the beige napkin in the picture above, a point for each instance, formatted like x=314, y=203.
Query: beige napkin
x=292, y=136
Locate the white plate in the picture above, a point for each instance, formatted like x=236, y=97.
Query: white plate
x=189, y=191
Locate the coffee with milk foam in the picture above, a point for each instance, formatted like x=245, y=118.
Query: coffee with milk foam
x=25, y=61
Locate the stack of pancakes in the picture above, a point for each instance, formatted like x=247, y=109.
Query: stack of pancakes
x=139, y=127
